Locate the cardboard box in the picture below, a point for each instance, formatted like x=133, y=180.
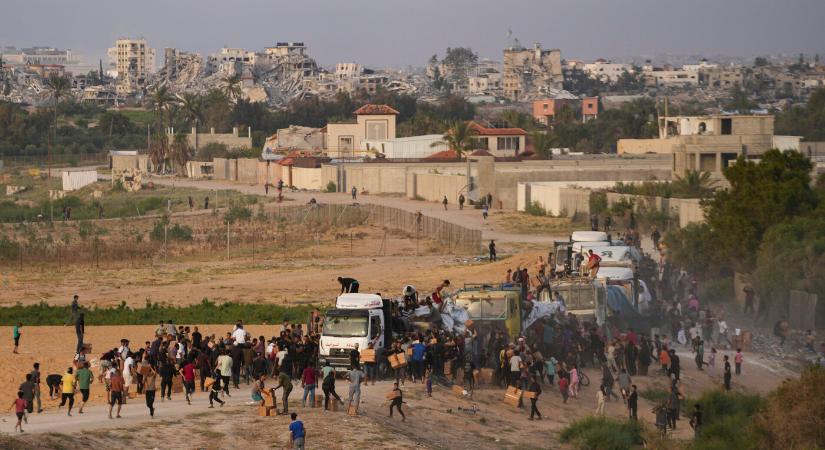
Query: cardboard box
x=267, y=411
x=208, y=382
x=393, y=394
x=319, y=401
x=529, y=394
x=352, y=410
x=485, y=376
x=469, y=324
x=177, y=385
x=433, y=341
x=511, y=401
x=333, y=405
x=398, y=360
x=458, y=390
x=368, y=355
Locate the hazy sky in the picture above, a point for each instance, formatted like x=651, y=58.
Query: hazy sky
x=399, y=33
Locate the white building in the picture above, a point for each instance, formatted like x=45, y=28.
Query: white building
x=606, y=71
x=348, y=70
x=413, y=147
x=133, y=61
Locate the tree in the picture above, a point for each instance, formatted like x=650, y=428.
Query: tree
x=761, y=195
x=58, y=87
x=181, y=151
x=739, y=100
x=459, y=61
x=695, y=248
x=161, y=99
x=760, y=61
x=458, y=138
x=517, y=119
x=807, y=121
x=792, y=416
x=191, y=108
x=543, y=142
x=694, y=184
x=231, y=87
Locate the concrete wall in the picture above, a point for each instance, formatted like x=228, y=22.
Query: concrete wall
x=573, y=201
x=247, y=169
x=230, y=140
x=304, y=178
x=689, y=211
x=268, y=172
x=122, y=162
x=642, y=146
x=433, y=187
x=556, y=196
x=221, y=168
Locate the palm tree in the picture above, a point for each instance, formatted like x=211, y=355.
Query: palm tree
x=694, y=184
x=458, y=138
x=517, y=119
x=232, y=87
x=191, y=108
x=181, y=151
x=543, y=142
x=161, y=99
x=58, y=87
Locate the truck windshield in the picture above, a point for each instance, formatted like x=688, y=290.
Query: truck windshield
x=580, y=297
x=488, y=308
x=344, y=326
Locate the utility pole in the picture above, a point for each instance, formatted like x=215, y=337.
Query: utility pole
x=227, y=240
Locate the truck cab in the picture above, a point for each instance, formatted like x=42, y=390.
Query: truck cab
x=356, y=319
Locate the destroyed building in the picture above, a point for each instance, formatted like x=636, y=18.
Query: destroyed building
x=530, y=73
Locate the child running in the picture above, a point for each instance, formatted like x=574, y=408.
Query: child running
x=19, y=404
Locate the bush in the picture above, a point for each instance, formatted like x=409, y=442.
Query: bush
x=603, y=433
x=716, y=290
x=793, y=413
x=598, y=202
x=535, y=209
x=176, y=232
x=728, y=421
x=205, y=312
x=237, y=212
x=331, y=187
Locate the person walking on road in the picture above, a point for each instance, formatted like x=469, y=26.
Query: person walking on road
x=492, y=248
x=69, y=383
x=354, y=193
x=216, y=389
x=150, y=380
x=85, y=378
x=16, y=336
x=444, y=202
x=19, y=405
x=35, y=373
x=297, y=433
x=397, y=401
x=461, y=201
x=485, y=210
x=535, y=388
x=355, y=376
x=116, y=394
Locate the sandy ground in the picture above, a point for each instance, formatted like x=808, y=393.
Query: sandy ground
x=311, y=280
x=495, y=425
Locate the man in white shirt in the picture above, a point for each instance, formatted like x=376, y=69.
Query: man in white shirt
x=239, y=336
x=124, y=348
x=128, y=365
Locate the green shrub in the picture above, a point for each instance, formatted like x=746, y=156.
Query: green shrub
x=598, y=202
x=176, y=232
x=716, y=290
x=205, y=312
x=237, y=212
x=535, y=209
x=331, y=187
x=603, y=433
x=623, y=205
x=728, y=419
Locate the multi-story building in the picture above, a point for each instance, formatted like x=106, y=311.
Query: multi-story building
x=231, y=61
x=348, y=70
x=723, y=77
x=711, y=143
x=590, y=108
x=530, y=72
x=606, y=71
x=669, y=77
x=545, y=110
x=133, y=61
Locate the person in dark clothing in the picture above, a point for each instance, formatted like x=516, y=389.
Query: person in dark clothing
x=348, y=285
x=656, y=236
x=258, y=366
x=197, y=338
x=489, y=200
x=166, y=372
x=727, y=375
x=535, y=388
x=355, y=357
x=397, y=401
x=237, y=361
x=696, y=420
x=206, y=202
x=53, y=381
x=328, y=386
x=444, y=202
x=674, y=368
x=204, y=366
x=461, y=202
x=633, y=403
x=216, y=389
x=492, y=248
x=80, y=330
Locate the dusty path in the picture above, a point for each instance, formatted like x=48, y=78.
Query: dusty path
x=470, y=218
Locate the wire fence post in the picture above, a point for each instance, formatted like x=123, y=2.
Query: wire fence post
x=350, y=243
x=253, y=245
x=227, y=240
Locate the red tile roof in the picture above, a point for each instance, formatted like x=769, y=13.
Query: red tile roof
x=484, y=131
x=375, y=110
x=481, y=153
x=443, y=155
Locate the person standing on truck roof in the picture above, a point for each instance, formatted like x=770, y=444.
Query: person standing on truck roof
x=348, y=285
x=593, y=262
